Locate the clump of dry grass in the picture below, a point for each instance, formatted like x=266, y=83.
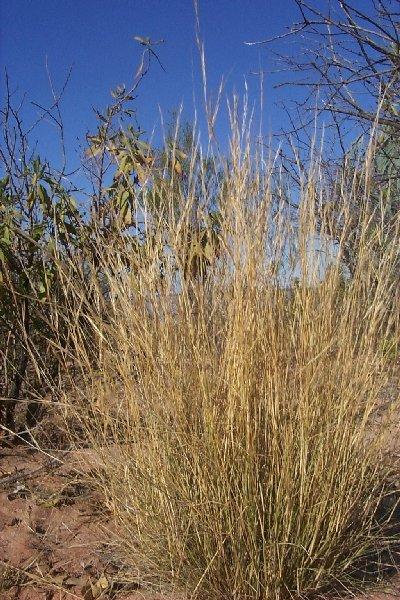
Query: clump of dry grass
x=230, y=409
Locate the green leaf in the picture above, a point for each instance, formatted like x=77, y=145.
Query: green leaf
x=141, y=173
x=72, y=202
x=31, y=199
x=5, y=234
x=44, y=198
x=125, y=165
x=37, y=231
x=4, y=183
x=42, y=290
x=123, y=199
x=127, y=215
x=37, y=165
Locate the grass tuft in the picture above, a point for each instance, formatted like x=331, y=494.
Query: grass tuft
x=231, y=399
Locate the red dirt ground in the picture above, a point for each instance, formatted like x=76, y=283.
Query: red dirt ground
x=51, y=526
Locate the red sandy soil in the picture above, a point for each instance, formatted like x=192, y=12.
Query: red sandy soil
x=51, y=527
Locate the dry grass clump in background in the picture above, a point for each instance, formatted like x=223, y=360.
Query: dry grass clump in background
x=230, y=407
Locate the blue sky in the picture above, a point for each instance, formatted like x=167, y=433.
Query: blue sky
x=95, y=38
